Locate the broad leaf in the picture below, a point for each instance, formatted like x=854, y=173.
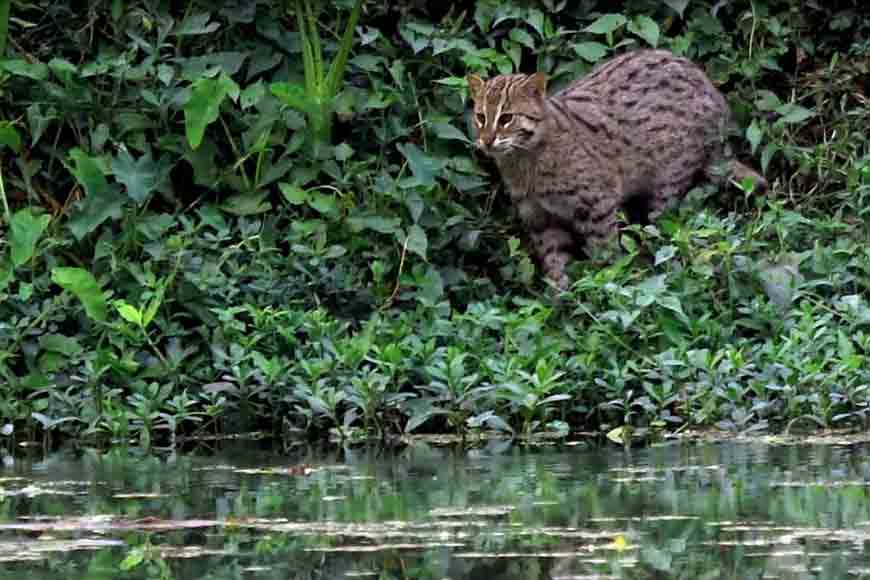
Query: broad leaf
x=24, y=232
x=9, y=137
x=646, y=28
x=140, y=176
x=102, y=201
x=295, y=97
x=679, y=6
x=204, y=104
x=85, y=287
x=590, y=51
x=607, y=24
x=424, y=167
x=417, y=241
x=247, y=204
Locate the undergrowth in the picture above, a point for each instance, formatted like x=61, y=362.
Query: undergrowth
x=264, y=216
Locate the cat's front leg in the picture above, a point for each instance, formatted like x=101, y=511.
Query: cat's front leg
x=551, y=247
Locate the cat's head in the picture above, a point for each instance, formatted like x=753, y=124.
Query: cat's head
x=508, y=112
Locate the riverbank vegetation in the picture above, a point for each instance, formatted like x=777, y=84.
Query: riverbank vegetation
x=263, y=215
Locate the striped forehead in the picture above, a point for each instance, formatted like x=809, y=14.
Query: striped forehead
x=496, y=95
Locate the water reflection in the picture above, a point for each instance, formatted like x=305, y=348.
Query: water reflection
x=729, y=510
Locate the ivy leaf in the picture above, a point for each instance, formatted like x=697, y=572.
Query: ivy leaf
x=203, y=106
x=140, y=176
x=423, y=166
x=646, y=28
x=607, y=24
x=25, y=230
x=85, y=287
x=590, y=51
x=102, y=201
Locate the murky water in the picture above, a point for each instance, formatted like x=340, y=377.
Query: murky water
x=729, y=510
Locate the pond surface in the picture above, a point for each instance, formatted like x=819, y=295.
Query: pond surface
x=727, y=510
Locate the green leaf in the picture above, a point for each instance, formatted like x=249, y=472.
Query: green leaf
x=102, y=201
x=133, y=558
x=85, y=287
x=61, y=344
x=417, y=241
x=754, y=136
x=128, y=312
x=323, y=203
x=295, y=97
x=590, y=51
x=36, y=70
x=607, y=24
x=247, y=204
x=252, y=95
x=95, y=209
x=24, y=231
x=664, y=254
x=87, y=172
x=382, y=225
x=646, y=28
x=196, y=24
x=10, y=137
x=447, y=131
x=792, y=113
x=203, y=106
x=679, y=6
x=294, y=194
x=520, y=36
x=422, y=165
x=140, y=176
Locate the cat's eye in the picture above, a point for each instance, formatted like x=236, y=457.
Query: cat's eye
x=505, y=119
x=481, y=119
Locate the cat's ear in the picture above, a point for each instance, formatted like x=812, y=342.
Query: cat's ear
x=475, y=86
x=536, y=85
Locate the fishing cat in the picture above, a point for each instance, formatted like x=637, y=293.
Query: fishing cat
x=636, y=133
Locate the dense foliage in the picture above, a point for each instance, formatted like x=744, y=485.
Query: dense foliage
x=225, y=216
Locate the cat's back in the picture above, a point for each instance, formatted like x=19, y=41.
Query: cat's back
x=649, y=82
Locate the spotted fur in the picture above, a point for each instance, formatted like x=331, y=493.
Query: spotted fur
x=636, y=134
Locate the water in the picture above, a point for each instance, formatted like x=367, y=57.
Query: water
x=727, y=510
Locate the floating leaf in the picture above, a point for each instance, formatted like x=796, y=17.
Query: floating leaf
x=85, y=287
